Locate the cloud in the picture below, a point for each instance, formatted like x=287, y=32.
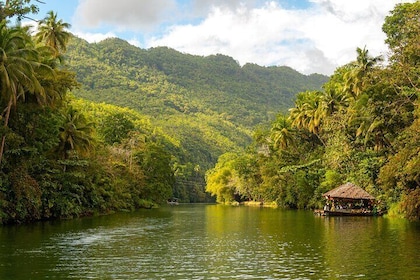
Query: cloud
x=203, y=7
x=94, y=37
x=126, y=14
x=356, y=10
x=317, y=38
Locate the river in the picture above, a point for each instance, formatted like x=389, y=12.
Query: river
x=212, y=242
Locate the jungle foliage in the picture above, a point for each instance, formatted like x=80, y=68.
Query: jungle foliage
x=164, y=83
x=150, y=124
x=362, y=127
x=96, y=128
x=204, y=106
x=56, y=161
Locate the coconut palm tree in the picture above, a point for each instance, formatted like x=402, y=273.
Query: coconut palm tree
x=52, y=32
x=308, y=112
x=333, y=101
x=18, y=61
x=282, y=133
x=75, y=134
x=356, y=77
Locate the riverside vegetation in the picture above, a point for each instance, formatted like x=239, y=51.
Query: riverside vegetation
x=96, y=128
x=362, y=127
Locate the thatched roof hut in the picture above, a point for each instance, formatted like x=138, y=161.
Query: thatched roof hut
x=348, y=191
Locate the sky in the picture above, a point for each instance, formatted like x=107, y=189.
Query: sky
x=311, y=36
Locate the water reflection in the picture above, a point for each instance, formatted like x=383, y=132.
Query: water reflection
x=212, y=242
x=257, y=242
x=369, y=248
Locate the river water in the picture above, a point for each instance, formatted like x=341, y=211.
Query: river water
x=212, y=242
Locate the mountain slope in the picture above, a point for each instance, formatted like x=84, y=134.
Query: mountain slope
x=162, y=80
x=209, y=105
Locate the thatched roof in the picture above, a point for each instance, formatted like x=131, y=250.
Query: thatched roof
x=349, y=191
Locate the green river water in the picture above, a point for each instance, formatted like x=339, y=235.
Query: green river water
x=212, y=242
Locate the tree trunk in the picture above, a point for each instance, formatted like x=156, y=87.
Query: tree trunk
x=6, y=123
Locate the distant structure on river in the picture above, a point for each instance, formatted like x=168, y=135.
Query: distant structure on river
x=172, y=201
x=349, y=200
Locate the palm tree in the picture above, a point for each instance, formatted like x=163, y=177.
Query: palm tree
x=308, y=112
x=282, y=133
x=372, y=129
x=52, y=32
x=356, y=77
x=75, y=134
x=333, y=101
x=18, y=61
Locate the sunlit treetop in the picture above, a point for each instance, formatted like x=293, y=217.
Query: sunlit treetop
x=18, y=8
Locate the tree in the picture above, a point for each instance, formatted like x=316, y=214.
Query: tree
x=222, y=180
x=116, y=127
x=402, y=169
x=308, y=112
x=357, y=76
x=402, y=28
x=52, y=32
x=282, y=133
x=19, y=8
x=332, y=101
x=159, y=177
x=18, y=61
x=75, y=134
x=410, y=205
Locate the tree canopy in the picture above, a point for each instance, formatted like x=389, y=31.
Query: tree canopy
x=361, y=128
x=96, y=128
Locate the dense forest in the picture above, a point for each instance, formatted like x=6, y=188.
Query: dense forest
x=162, y=82
x=203, y=106
x=362, y=127
x=95, y=128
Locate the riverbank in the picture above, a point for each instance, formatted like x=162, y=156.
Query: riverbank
x=260, y=204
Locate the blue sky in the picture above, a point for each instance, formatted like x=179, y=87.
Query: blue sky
x=311, y=36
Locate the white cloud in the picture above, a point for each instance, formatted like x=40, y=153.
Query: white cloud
x=135, y=42
x=315, y=39
x=125, y=14
x=94, y=37
x=201, y=8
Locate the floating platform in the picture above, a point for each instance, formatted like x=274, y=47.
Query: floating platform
x=347, y=212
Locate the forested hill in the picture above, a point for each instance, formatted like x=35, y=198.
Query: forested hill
x=160, y=82
x=202, y=106
x=118, y=128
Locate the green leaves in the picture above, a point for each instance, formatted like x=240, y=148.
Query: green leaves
x=364, y=128
x=115, y=128
x=52, y=33
x=75, y=134
x=18, y=8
